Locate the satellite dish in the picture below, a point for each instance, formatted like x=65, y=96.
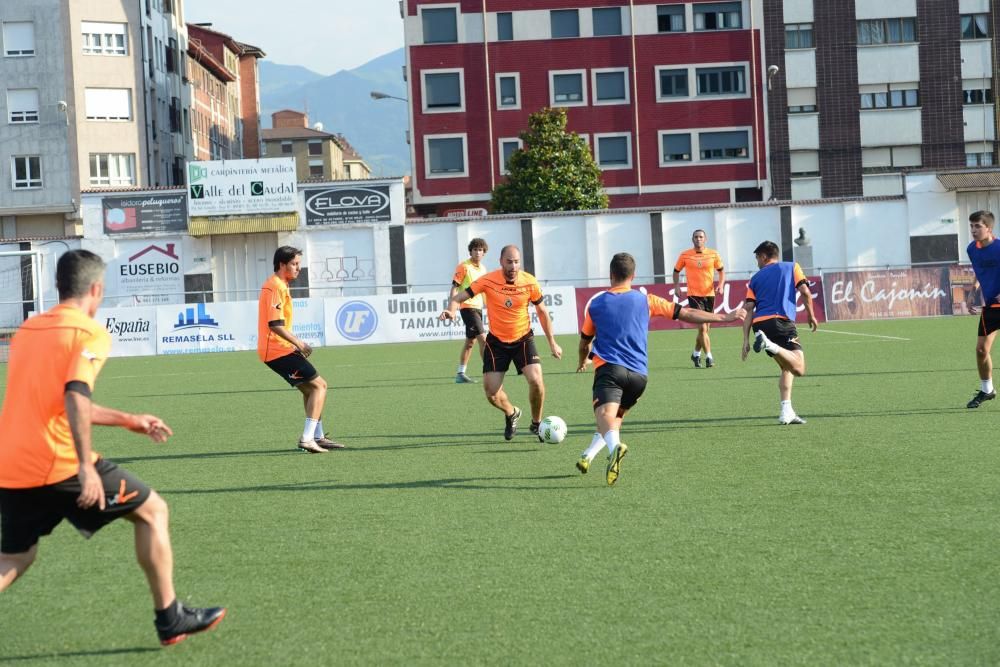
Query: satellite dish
x=318, y=127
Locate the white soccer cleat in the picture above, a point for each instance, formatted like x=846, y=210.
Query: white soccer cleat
x=792, y=418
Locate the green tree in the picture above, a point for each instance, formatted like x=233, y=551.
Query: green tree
x=553, y=172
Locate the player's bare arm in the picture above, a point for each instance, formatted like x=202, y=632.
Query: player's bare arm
x=721, y=287
x=78, y=414
x=282, y=331
x=747, y=321
x=546, y=322
x=457, y=298
x=584, y=354
x=677, y=285
x=144, y=424
x=807, y=299
x=693, y=316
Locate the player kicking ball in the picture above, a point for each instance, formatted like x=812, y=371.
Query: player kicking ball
x=614, y=335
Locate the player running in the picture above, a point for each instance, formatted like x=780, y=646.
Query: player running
x=508, y=292
x=771, y=312
x=614, y=334
x=984, y=254
x=466, y=273
x=699, y=265
x=48, y=471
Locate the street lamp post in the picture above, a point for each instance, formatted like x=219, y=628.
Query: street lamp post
x=378, y=95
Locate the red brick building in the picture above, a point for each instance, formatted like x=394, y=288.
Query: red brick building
x=225, y=107
x=669, y=95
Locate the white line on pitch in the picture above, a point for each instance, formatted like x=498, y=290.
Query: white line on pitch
x=852, y=333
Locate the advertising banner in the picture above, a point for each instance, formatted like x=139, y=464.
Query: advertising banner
x=133, y=330
x=342, y=204
x=146, y=272
x=874, y=295
x=963, y=289
x=145, y=213
x=735, y=293
x=405, y=318
x=206, y=327
x=242, y=187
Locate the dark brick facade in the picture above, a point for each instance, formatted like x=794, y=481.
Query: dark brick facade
x=779, y=165
x=943, y=129
x=835, y=32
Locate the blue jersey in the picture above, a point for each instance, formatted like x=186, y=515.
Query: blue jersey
x=986, y=264
x=618, y=320
x=774, y=288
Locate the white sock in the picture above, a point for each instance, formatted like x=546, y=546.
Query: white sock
x=596, y=445
x=611, y=440
x=696, y=353
x=987, y=386
x=461, y=368
x=708, y=355
x=309, y=429
x=318, y=433
x=786, y=408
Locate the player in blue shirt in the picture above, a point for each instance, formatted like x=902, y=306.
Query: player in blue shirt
x=614, y=332
x=985, y=257
x=770, y=306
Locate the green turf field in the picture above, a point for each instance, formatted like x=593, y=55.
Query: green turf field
x=868, y=536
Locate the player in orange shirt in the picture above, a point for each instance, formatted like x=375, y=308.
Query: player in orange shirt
x=472, y=309
x=286, y=354
x=699, y=265
x=48, y=471
x=510, y=339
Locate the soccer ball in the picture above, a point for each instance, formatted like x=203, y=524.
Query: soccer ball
x=552, y=430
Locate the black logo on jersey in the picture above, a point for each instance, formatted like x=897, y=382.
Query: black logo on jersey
x=508, y=303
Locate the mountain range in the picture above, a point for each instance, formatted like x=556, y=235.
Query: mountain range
x=343, y=103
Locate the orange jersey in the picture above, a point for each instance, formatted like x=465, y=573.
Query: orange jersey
x=465, y=274
x=507, y=304
x=273, y=307
x=699, y=269
x=48, y=351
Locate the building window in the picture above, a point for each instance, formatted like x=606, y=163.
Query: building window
x=446, y=156
x=724, y=145
x=315, y=169
x=108, y=103
x=975, y=26
x=567, y=88
x=507, y=148
x=610, y=86
x=26, y=172
x=565, y=23
x=721, y=80
x=509, y=91
x=613, y=151
x=875, y=98
x=887, y=31
x=982, y=95
x=112, y=169
x=672, y=83
x=675, y=148
x=979, y=159
x=889, y=158
x=443, y=90
x=315, y=148
x=22, y=105
x=440, y=25
x=286, y=148
x=105, y=39
x=19, y=38
x=505, y=26
x=799, y=36
x=803, y=163
x=801, y=100
x=607, y=21
x=718, y=16
x=670, y=18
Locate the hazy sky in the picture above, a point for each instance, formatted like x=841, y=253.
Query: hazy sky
x=324, y=35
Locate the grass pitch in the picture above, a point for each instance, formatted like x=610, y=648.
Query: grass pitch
x=867, y=536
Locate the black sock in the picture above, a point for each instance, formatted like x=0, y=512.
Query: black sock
x=167, y=615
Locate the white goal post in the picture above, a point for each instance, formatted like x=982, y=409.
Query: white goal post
x=21, y=290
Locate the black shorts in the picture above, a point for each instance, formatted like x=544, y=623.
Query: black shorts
x=497, y=354
x=781, y=331
x=294, y=368
x=706, y=303
x=989, y=321
x=617, y=384
x=473, y=319
x=26, y=515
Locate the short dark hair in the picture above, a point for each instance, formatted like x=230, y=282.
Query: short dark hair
x=768, y=248
x=503, y=250
x=76, y=271
x=478, y=243
x=622, y=266
x=984, y=217
x=284, y=255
